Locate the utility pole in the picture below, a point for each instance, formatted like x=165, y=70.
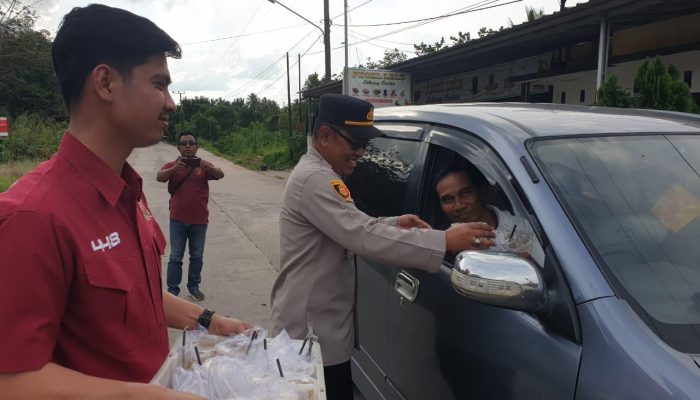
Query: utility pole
x=327, y=39
x=562, y=5
x=289, y=109
x=345, y=9
x=182, y=112
x=326, y=33
x=299, y=62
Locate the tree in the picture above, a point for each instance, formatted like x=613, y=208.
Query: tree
x=660, y=88
x=422, y=48
x=460, y=38
x=312, y=81
x=483, y=32
x=533, y=13
x=611, y=94
x=27, y=80
x=390, y=58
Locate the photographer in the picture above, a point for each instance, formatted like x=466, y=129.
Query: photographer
x=188, y=184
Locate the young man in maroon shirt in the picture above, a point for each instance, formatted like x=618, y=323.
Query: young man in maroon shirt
x=188, y=184
x=82, y=309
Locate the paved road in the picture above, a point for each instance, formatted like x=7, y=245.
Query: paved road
x=242, y=247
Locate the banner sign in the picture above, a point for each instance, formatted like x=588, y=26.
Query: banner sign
x=382, y=88
x=4, y=127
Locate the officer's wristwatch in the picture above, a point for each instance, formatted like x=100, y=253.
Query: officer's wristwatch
x=205, y=318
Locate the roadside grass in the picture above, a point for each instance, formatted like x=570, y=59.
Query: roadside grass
x=11, y=171
x=257, y=148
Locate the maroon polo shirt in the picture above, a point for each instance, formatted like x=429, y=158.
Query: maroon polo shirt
x=80, y=266
x=189, y=204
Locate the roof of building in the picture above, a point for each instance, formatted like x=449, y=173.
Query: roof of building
x=573, y=25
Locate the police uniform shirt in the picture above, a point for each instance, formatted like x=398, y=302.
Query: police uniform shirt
x=320, y=230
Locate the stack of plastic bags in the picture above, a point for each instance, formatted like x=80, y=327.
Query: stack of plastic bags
x=246, y=366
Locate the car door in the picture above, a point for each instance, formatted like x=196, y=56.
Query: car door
x=382, y=184
x=444, y=346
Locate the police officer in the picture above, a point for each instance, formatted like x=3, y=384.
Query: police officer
x=321, y=230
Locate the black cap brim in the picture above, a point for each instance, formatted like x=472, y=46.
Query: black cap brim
x=364, y=133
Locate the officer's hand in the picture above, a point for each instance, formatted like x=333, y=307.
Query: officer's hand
x=470, y=236
x=409, y=221
x=143, y=391
x=225, y=326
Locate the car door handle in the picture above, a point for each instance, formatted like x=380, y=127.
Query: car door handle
x=407, y=286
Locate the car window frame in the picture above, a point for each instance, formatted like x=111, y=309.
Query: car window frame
x=475, y=150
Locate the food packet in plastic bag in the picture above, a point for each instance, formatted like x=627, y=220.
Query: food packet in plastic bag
x=243, y=344
x=287, y=351
x=191, y=380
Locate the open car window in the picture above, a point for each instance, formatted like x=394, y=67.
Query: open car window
x=490, y=194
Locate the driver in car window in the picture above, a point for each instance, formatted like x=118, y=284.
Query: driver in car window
x=460, y=190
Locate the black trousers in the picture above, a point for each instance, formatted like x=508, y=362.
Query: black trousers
x=338, y=381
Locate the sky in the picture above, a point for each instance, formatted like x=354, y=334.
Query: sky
x=232, y=48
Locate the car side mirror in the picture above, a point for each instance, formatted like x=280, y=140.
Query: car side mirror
x=499, y=279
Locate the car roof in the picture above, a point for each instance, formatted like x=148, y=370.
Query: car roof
x=526, y=120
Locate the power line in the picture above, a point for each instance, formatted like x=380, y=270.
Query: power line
x=247, y=85
x=384, y=47
x=355, y=8
x=206, y=78
x=424, y=23
x=290, y=67
x=242, y=35
x=450, y=14
x=250, y=83
x=380, y=40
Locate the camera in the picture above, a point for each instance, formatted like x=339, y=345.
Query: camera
x=191, y=162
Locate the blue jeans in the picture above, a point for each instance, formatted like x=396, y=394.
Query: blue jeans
x=180, y=233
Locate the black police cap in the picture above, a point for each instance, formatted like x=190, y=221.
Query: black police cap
x=356, y=116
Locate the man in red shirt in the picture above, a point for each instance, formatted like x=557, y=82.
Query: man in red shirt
x=188, y=184
x=81, y=305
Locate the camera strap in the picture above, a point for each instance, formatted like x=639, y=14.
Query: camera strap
x=179, y=184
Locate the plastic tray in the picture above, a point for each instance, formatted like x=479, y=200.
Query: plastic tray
x=164, y=375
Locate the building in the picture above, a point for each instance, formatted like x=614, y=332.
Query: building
x=560, y=58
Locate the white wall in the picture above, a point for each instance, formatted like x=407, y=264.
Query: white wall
x=572, y=84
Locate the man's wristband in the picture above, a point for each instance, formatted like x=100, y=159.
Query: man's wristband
x=205, y=318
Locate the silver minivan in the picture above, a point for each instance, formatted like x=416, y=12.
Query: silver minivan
x=613, y=312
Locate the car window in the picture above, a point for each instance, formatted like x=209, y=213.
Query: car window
x=636, y=202
x=487, y=202
x=378, y=184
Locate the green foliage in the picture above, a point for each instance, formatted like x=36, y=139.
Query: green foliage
x=422, y=48
x=27, y=80
x=10, y=172
x=312, y=81
x=255, y=146
x=659, y=88
x=533, y=13
x=33, y=137
x=483, y=32
x=611, y=94
x=390, y=58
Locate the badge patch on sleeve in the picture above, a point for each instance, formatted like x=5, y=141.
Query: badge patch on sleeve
x=340, y=189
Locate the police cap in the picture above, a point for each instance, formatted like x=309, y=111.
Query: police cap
x=356, y=116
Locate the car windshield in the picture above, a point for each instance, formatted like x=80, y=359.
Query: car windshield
x=636, y=201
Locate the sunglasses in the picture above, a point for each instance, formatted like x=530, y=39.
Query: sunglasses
x=353, y=144
x=188, y=143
